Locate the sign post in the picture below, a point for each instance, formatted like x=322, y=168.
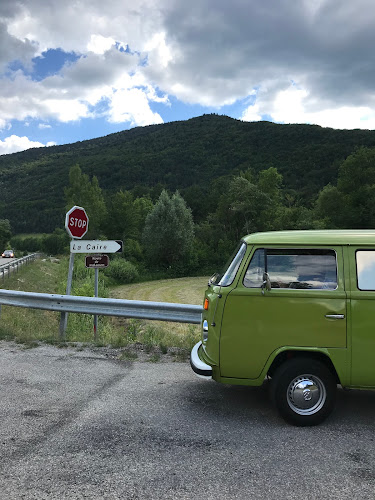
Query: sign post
x=76, y=225
x=96, y=291
x=96, y=262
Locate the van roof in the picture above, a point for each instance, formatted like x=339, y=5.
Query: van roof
x=314, y=237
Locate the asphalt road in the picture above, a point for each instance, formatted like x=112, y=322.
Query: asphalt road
x=76, y=424
x=5, y=261
x=4, y=272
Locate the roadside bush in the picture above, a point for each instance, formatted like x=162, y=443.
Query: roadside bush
x=122, y=271
x=55, y=243
x=132, y=250
x=26, y=244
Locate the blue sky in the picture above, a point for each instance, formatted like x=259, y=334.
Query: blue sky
x=71, y=71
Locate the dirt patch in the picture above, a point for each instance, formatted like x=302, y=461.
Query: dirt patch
x=132, y=352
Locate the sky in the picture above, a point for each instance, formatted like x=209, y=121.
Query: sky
x=78, y=69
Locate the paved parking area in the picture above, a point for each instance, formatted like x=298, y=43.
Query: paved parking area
x=76, y=424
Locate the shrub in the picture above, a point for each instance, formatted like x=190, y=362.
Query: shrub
x=122, y=271
x=55, y=243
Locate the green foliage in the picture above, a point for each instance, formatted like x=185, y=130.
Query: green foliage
x=169, y=232
x=132, y=251
x=331, y=206
x=126, y=216
x=248, y=204
x=56, y=243
x=235, y=178
x=5, y=233
x=88, y=195
x=193, y=156
x=351, y=203
x=122, y=271
x=27, y=244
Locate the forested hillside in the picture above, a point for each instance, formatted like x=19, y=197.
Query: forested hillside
x=198, y=157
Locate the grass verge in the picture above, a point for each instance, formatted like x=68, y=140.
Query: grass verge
x=30, y=326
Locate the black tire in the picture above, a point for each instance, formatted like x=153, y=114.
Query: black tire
x=304, y=391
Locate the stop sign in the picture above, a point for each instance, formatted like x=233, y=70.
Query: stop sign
x=76, y=222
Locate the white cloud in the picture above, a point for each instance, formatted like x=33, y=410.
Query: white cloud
x=70, y=95
x=294, y=105
x=208, y=52
x=14, y=143
x=132, y=106
x=158, y=51
x=65, y=110
x=100, y=44
x=252, y=114
x=44, y=126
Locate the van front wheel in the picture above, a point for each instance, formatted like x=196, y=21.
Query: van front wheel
x=304, y=391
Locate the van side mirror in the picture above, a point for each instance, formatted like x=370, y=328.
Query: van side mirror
x=266, y=285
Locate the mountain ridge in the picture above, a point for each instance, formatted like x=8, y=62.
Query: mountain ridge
x=181, y=155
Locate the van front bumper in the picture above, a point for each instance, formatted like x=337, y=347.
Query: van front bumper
x=200, y=368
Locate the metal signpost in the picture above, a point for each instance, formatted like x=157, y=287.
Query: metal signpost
x=76, y=225
x=96, y=262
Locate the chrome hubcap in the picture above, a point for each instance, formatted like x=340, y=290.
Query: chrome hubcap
x=306, y=394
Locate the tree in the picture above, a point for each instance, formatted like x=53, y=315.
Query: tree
x=169, y=232
x=270, y=182
x=126, y=220
x=122, y=218
x=88, y=195
x=351, y=203
x=5, y=233
x=251, y=203
x=248, y=204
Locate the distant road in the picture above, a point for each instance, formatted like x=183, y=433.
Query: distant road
x=79, y=424
x=5, y=261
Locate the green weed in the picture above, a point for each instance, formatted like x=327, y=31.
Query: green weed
x=32, y=326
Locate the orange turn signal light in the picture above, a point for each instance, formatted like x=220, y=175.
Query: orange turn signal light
x=206, y=304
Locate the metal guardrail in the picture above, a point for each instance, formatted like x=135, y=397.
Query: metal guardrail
x=13, y=265
x=161, y=311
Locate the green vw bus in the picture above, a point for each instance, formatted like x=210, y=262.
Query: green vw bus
x=297, y=307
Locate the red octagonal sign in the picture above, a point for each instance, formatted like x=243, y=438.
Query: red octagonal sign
x=76, y=222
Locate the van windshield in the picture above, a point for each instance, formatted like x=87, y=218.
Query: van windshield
x=226, y=277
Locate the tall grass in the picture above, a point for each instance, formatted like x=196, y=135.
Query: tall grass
x=49, y=276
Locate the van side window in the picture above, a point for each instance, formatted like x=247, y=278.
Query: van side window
x=366, y=269
x=298, y=269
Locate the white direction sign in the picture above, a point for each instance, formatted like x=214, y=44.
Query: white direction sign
x=95, y=246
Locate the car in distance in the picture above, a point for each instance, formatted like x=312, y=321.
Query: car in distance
x=295, y=307
x=8, y=254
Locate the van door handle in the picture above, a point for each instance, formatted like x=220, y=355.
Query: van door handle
x=335, y=316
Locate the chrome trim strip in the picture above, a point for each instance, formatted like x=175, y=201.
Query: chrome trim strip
x=199, y=367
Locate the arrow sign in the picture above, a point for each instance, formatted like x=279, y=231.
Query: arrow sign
x=95, y=246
